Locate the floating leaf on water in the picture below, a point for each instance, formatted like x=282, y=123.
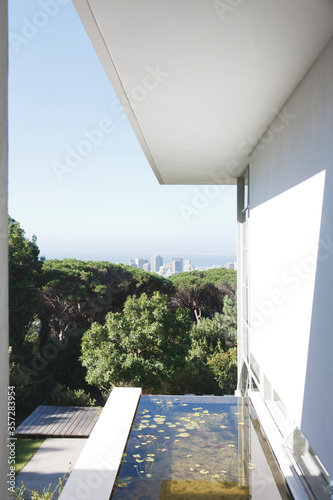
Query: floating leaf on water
x=183, y=434
x=215, y=476
x=182, y=430
x=148, y=475
x=184, y=404
x=188, y=456
x=150, y=455
x=138, y=446
x=231, y=446
x=139, y=461
x=199, y=408
x=161, y=430
x=201, y=421
x=166, y=437
x=153, y=426
x=137, y=456
x=144, y=443
x=172, y=425
x=176, y=440
x=203, y=471
x=122, y=485
x=205, y=411
x=223, y=426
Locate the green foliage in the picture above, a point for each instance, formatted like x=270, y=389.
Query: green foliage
x=197, y=299
x=134, y=327
x=25, y=271
x=77, y=293
x=46, y=494
x=208, y=338
x=212, y=335
x=203, y=293
x=214, y=276
x=64, y=396
x=144, y=346
x=196, y=377
x=25, y=386
x=224, y=366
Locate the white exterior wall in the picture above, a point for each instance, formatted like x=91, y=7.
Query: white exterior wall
x=291, y=257
x=3, y=253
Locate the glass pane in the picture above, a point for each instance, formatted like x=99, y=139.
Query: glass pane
x=246, y=188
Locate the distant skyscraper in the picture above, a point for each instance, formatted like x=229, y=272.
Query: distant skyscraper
x=177, y=265
x=188, y=266
x=156, y=262
x=146, y=266
x=131, y=262
x=231, y=265
x=140, y=262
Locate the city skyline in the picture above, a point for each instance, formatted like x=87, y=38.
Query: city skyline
x=157, y=265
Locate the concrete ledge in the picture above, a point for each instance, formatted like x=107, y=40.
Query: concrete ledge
x=96, y=468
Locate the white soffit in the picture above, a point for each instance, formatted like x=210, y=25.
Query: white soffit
x=203, y=79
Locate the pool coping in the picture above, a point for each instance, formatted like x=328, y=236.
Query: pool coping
x=286, y=462
x=96, y=469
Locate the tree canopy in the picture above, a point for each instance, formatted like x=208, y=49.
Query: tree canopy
x=74, y=322
x=25, y=278
x=144, y=346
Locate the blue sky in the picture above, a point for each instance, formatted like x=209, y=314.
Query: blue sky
x=110, y=202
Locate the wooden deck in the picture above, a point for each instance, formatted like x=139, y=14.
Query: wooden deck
x=59, y=421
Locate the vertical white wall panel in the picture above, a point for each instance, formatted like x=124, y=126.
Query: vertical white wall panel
x=291, y=258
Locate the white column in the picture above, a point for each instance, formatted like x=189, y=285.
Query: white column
x=4, y=494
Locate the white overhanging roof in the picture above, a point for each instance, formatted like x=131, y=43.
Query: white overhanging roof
x=201, y=80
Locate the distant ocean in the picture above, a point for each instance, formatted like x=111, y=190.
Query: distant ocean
x=207, y=260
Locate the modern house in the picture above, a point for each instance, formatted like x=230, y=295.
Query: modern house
x=241, y=92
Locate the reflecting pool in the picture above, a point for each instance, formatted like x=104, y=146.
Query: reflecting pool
x=197, y=447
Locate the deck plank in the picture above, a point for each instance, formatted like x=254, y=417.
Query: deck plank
x=59, y=421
